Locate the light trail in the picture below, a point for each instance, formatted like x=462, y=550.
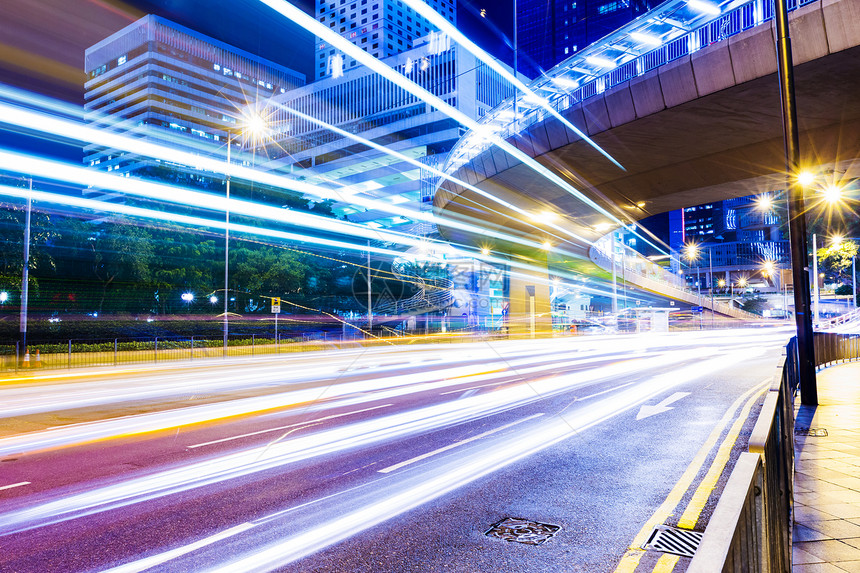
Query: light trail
x=408, y=490
x=359, y=434
x=58, y=127
x=438, y=172
x=432, y=16
x=334, y=39
x=443, y=449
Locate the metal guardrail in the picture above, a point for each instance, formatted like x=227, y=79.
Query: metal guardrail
x=840, y=320
x=750, y=530
x=646, y=274
x=730, y=23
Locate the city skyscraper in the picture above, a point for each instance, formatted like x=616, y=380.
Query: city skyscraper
x=381, y=28
x=167, y=83
x=549, y=31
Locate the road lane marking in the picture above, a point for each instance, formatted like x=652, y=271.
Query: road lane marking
x=150, y=562
x=703, y=492
x=646, y=411
x=11, y=485
x=603, y=392
x=470, y=388
x=287, y=427
x=630, y=560
x=455, y=444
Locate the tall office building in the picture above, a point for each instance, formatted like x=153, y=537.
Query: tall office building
x=550, y=31
x=363, y=103
x=381, y=28
x=171, y=84
x=735, y=236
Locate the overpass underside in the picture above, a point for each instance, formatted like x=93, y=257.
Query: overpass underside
x=703, y=128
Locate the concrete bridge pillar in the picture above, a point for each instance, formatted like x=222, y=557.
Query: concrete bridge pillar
x=529, y=309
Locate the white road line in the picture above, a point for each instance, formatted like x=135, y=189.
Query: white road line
x=149, y=562
x=11, y=485
x=287, y=427
x=471, y=388
x=604, y=392
x=455, y=444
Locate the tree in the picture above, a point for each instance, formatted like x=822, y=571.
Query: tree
x=120, y=253
x=837, y=258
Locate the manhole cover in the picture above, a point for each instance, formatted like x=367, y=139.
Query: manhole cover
x=815, y=432
x=681, y=542
x=523, y=531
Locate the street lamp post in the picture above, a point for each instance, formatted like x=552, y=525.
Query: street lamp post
x=227, y=243
x=255, y=125
x=796, y=208
x=816, y=301
x=25, y=273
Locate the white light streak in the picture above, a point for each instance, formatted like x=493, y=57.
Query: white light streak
x=411, y=461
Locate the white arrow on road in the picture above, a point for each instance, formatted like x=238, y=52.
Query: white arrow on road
x=663, y=406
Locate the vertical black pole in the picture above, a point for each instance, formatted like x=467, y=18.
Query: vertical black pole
x=796, y=210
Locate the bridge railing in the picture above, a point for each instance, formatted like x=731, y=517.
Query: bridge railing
x=644, y=273
x=750, y=529
x=721, y=28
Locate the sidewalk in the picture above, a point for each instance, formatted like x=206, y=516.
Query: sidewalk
x=827, y=478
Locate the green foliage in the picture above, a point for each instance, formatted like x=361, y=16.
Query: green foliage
x=755, y=305
x=836, y=259
x=843, y=290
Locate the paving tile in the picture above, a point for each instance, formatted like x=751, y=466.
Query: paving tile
x=850, y=566
x=831, y=550
x=837, y=528
x=841, y=510
x=803, y=533
x=855, y=542
x=816, y=568
x=804, y=514
x=800, y=557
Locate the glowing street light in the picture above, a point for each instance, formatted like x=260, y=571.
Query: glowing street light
x=187, y=296
x=764, y=203
x=805, y=178
x=213, y=299
x=546, y=245
x=485, y=251
x=4, y=296
x=833, y=194
x=254, y=127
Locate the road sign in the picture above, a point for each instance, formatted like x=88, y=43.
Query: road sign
x=697, y=309
x=276, y=305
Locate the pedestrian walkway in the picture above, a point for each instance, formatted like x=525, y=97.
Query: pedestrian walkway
x=827, y=477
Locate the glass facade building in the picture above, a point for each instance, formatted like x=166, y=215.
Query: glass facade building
x=549, y=31
x=167, y=83
x=381, y=28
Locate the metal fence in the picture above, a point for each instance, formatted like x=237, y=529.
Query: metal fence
x=750, y=529
x=81, y=353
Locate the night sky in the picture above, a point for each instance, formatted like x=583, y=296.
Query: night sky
x=42, y=42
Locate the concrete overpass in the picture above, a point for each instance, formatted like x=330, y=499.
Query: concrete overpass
x=699, y=127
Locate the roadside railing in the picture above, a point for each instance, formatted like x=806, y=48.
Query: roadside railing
x=838, y=321
x=750, y=529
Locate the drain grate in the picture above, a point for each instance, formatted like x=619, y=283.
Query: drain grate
x=523, y=531
x=815, y=432
x=672, y=540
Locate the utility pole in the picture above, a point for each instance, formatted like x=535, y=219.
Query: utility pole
x=796, y=209
x=25, y=274
x=369, y=308
x=227, y=244
x=816, y=295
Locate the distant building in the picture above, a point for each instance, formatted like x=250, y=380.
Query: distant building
x=382, y=28
x=735, y=236
x=363, y=103
x=171, y=84
x=550, y=31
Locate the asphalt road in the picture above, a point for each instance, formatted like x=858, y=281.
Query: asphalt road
x=386, y=459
